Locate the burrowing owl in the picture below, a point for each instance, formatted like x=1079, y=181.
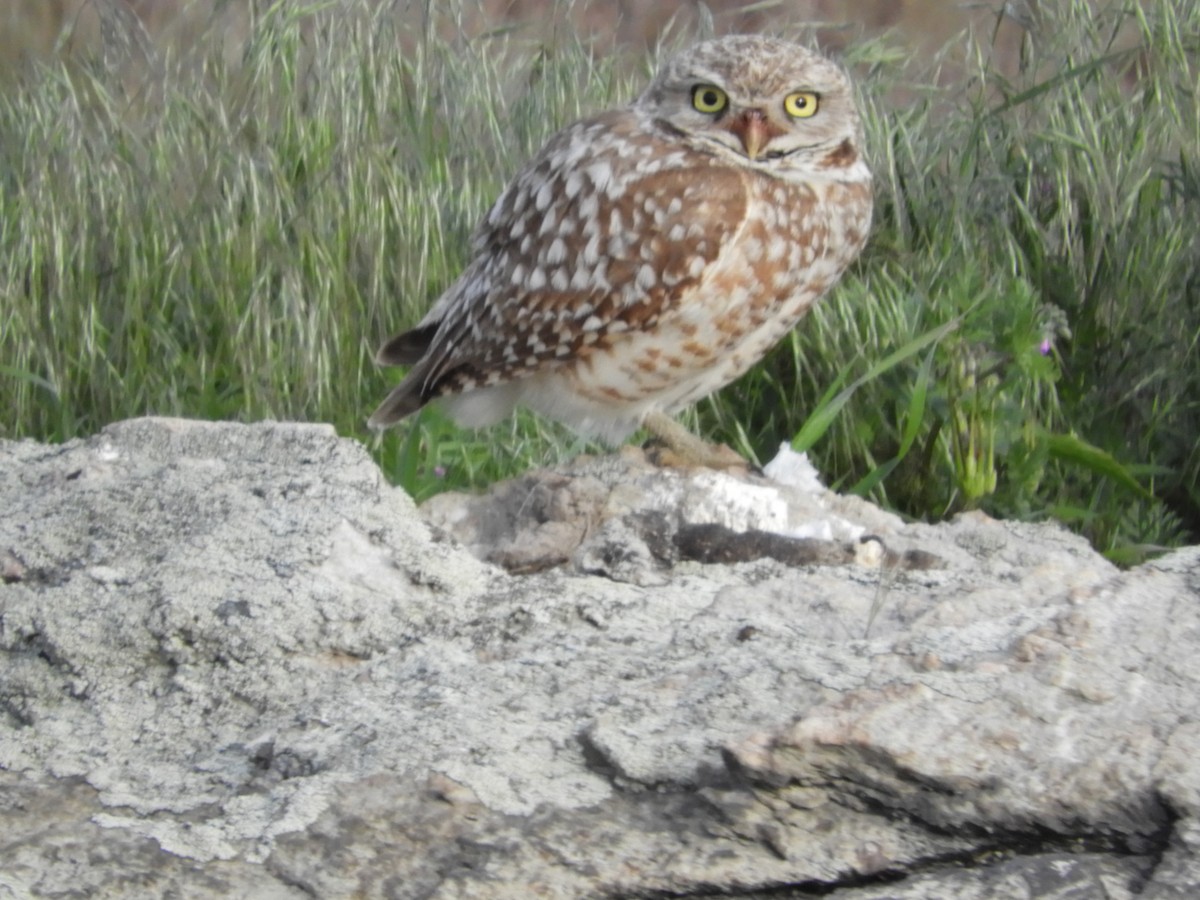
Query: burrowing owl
x=650, y=255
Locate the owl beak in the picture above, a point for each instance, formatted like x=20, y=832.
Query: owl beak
x=754, y=130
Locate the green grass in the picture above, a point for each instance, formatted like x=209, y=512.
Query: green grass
x=231, y=239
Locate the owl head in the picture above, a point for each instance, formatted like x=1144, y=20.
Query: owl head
x=760, y=101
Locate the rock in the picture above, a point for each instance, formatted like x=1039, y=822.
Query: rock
x=235, y=662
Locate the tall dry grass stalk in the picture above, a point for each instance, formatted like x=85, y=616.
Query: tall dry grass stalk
x=133, y=30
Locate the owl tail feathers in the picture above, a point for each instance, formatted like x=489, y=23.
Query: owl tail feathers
x=404, y=400
x=407, y=348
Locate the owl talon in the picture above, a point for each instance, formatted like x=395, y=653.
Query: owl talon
x=673, y=446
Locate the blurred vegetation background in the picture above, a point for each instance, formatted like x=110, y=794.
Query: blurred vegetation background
x=217, y=209
x=38, y=29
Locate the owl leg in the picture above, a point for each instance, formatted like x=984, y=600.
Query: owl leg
x=682, y=449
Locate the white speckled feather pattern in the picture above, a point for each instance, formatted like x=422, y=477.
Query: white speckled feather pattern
x=648, y=256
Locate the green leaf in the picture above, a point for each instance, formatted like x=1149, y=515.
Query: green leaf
x=22, y=375
x=912, y=426
x=827, y=410
x=1072, y=449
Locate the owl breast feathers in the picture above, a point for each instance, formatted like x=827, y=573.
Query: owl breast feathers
x=648, y=256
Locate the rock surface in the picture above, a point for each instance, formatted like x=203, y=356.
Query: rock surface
x=234, y=662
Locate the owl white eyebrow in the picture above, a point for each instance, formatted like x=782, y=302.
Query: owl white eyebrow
x=704, y=75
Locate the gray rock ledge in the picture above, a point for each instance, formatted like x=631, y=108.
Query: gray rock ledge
x=235, y=662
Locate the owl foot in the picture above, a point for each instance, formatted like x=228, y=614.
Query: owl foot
x=676, y=447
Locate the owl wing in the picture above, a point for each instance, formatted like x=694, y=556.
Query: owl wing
x=604, y=232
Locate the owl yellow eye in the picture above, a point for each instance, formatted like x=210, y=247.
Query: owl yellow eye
x=801, y=105
x=708, y=98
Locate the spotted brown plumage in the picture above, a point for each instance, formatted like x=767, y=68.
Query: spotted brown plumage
x=648, y=256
